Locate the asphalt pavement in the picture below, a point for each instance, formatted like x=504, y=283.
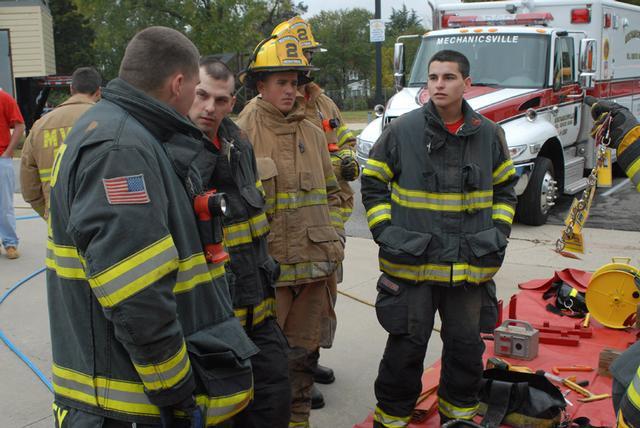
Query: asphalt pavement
x=25, y=401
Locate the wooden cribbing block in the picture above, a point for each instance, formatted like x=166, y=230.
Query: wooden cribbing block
x=607, y=357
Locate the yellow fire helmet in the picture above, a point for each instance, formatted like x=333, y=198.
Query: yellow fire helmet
x=302, y=30
x=281, y=52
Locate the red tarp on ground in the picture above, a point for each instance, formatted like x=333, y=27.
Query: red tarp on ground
x=531, y=307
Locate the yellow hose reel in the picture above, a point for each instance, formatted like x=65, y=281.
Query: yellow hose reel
x=613, y=294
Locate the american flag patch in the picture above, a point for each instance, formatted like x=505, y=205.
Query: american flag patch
x=126, y=190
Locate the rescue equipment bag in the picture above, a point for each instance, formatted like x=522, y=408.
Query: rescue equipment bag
x=519, y=400
x=568, y=300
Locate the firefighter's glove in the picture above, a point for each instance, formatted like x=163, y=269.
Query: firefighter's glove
x=188, y=407
x=622, y=120
x=349, y=168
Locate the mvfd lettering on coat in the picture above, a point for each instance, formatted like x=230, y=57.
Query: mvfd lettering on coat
x=491, y=38
x=50, y=136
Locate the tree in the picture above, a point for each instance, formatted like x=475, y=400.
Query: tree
x=73, y=37
x=215, y=26
x=402, y=22
x=345, y=34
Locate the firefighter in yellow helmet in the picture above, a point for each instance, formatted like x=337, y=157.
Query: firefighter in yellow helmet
x=302, y=205
x=340, y=142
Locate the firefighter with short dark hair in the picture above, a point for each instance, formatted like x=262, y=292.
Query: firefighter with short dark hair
x=142, y=326
x=246, y=228
x=439, y=192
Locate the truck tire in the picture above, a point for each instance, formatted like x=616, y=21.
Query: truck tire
x=540, y=195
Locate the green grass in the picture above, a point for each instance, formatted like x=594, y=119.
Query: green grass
x=358, y=116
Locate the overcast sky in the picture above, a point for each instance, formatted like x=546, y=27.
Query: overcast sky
x=421, y=7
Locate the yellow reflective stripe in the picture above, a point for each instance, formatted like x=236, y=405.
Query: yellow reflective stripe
x=45, y=175
x=634, y=173
x=308, y=270
x=129, y=397
x=628, y=139
x=331, y=181
x=220, y=409
x=344, y=134
x=456, y=272
x=347, y=151
x=245, y=231
x=135, y=273
x=503, y=212
x=455, y=412
x=295, y=200
x=109, y=394
x=441, y=201
x=632, y=390
x=299, y=424
x=503, y=172
x=261, y=311
x=65, y=261
x=192, y=272
x=259, y=225
x=346, y=213
x=237, y=234
x=260, y=187
x=216, y=271
x=425, y=272
x=390, y=421
x=620, y=422
x=378, y=213
x=377, y=169
x=166, y=374
x=473, y=274
x=335, y=214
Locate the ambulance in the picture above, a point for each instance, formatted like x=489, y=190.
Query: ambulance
x=532, y=64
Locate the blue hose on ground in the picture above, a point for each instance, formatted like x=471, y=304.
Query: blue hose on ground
x=28, y=217
x=11, y=346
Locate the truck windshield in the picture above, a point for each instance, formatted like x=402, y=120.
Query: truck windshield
x=500, y=59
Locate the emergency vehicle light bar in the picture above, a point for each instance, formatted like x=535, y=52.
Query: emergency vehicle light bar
x=53, y=81
x=534, y=18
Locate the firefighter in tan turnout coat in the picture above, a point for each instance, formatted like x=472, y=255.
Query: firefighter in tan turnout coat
x=340, y=142
x=302, y=205
x=48, y=134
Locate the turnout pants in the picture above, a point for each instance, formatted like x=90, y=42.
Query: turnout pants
x=302, y=312
x=272, y=394
x=407, y=313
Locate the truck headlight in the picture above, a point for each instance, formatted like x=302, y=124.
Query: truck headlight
x=363, y=147
x=516, y=151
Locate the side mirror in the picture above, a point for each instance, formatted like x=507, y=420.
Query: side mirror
x=588, y=55
x=587, y=80
x=379, y=110
x=398, y=65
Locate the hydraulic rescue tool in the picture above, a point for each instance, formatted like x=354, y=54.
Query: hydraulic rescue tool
x=210, y=208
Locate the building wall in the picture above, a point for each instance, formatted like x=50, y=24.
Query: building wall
x=31, y=32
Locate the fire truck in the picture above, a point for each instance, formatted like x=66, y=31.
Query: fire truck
x=532, y=64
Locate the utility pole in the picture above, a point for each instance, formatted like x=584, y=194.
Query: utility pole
x=378, y=97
